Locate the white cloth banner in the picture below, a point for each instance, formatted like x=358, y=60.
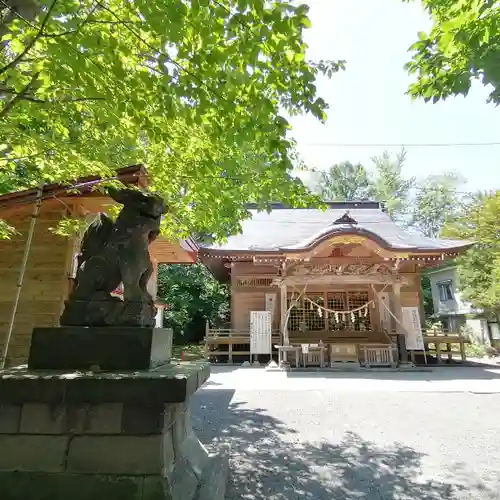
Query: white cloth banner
x=385, y=315
x=413, y=330
x=260, y=332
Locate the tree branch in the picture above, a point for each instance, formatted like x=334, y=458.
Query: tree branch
x=78, y=28
x=27, y=157
x=31, y=98
x=18, y=97
x=29, y=46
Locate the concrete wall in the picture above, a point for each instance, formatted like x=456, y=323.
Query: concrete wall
x=45, y=282
x=478, y=331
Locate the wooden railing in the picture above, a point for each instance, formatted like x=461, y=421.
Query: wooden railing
x=445, y=344
x=237, y=342
x=234, y=342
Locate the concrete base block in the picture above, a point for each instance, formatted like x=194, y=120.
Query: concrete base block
x=105, y=440
x=99, y=348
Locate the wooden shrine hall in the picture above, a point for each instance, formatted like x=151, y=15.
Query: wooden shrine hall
x=323, y=287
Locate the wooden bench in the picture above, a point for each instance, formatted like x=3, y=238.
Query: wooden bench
x=446, y=340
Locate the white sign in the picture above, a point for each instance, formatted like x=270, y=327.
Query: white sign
x=413, y=330
x=271, y=303
x=260, y=332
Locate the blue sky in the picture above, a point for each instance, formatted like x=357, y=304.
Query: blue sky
x=368, y=102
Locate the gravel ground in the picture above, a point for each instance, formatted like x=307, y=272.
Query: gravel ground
x=329, y=443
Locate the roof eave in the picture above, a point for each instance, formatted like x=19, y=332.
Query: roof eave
x=132, y=175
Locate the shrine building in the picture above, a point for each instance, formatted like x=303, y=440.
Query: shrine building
x=341, y=284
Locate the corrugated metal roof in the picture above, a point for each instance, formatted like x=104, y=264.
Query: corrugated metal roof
x=294, y=229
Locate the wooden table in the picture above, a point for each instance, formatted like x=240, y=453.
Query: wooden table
x=283, y=351
x=314, y=348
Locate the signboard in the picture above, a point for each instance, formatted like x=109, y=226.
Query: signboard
x=271, y=303
x=260, y=332
x=413, y=330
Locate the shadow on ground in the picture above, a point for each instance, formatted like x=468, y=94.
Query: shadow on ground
x=269, y=461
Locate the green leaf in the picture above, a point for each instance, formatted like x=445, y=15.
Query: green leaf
x=167, y=84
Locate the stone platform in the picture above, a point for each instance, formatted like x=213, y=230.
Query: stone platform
x=102, y=436
x=105, y=348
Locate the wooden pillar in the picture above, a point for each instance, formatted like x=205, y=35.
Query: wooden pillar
x=283, y=318
x=403, y=353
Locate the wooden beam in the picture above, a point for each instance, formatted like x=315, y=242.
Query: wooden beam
x=398, y=312
x=332, y=279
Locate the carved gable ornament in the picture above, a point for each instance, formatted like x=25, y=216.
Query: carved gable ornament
x=348, y=269
x=346, y=219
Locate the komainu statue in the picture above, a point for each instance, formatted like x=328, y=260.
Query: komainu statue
x=112, y=253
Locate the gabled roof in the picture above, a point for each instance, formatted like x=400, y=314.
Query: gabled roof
x=287, y=229
x=133, y=175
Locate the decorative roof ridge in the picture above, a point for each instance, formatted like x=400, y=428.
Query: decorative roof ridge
x=346, y=205
x=346, y=219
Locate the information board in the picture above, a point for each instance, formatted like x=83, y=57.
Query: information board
x=260, y=332
x=412, y=327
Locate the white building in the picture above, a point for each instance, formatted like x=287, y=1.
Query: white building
x=454, y=312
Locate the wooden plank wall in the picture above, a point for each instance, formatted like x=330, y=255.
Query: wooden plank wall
x=45, y=281
x=246, y=299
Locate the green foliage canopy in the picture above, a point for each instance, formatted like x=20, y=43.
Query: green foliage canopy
x=437, y=201
x=193, y=296
x=344, y=181
x=194, y=90
x=479, y=267
x=390, y=185
x=463, y=45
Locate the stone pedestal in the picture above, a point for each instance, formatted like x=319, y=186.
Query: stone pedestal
x=119, y=436
x=99, y=348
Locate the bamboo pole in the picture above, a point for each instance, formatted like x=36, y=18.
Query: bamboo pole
x=20, y=281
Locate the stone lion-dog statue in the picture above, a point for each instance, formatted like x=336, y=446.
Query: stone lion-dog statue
x=115, y=252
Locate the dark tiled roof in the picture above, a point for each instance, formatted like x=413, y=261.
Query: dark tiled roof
x=294, y=229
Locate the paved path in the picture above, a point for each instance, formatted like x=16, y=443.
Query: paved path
x=419, y=436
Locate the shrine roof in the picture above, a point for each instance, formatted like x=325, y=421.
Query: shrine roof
x=288, y=229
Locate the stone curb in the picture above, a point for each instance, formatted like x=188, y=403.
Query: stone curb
x=214, y=480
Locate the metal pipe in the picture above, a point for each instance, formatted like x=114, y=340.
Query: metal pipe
x=27, y=247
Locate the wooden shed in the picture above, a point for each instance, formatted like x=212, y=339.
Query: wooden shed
x=50, y=267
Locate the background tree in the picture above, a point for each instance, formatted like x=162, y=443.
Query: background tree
x=479, y=267
x=389, y=184
x=344, y=182
x=436, y=202
x=462, y=45
x=196, y=90
x=193, y=297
